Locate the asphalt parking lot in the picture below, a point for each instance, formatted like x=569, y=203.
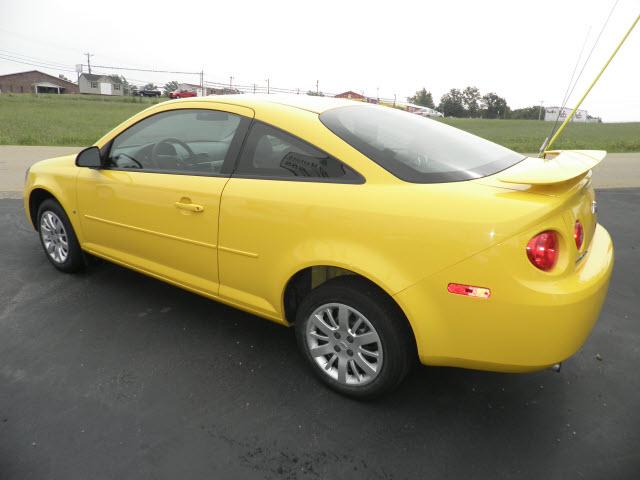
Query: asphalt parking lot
x=110, y=374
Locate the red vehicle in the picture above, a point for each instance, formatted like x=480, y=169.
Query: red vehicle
x=182, y=94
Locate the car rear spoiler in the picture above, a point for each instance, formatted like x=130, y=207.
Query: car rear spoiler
x=557, y=166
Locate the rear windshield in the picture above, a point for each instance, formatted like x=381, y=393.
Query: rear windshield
x=417, y=149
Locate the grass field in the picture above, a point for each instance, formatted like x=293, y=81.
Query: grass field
x=79, y=120
x=73, y=120
x=526, y=136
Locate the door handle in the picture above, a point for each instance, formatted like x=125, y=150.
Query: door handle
x=192, y=207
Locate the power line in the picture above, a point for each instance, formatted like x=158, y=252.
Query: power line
x=33, y=64
x=145, y=70
x=32, y=59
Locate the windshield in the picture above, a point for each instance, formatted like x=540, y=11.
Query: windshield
x=417, y=149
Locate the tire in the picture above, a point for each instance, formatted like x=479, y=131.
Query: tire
x=367, y=350
x=58, y=238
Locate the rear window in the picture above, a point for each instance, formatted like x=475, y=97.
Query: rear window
x=417, y=149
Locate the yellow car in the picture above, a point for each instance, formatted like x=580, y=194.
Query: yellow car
x=381, y=235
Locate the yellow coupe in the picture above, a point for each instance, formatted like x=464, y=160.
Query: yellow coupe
x=381, y=235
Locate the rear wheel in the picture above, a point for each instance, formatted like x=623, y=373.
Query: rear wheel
x=57, y=237
x=354, y=337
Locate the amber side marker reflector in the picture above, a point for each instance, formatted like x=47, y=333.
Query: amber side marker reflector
x=468, y=290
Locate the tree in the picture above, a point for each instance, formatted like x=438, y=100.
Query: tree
x=315, y=94
x=451, y=104
x=119, y=79
x=149, y=86
x=528, y=113
x=494, y=106
x=169, y=87
x=422, y=97
x=62, y=77
x=122, y=81
x=471, y=101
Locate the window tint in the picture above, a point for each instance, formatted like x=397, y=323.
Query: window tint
x=417, y=149
x=271, y=153
x=185, y=141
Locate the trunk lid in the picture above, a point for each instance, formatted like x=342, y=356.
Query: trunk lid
x=565, y=175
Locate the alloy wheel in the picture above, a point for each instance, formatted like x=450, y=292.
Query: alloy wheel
x=344, y=344
x=54, y=237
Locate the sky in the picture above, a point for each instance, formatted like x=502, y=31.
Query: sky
x=523, y=51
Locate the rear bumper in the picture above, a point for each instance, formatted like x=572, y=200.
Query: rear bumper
x=525, y=325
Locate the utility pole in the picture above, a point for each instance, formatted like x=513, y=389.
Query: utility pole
x=230, y=82
x=202, y=83
x=89, y=55
x=540, y=113
x=394, y=100
x=378, y=94
x=254, y=88
x=317, y=87
x=267, y=86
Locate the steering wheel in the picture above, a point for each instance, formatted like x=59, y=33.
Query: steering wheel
x=155, y=151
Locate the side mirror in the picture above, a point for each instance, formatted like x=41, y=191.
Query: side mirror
x=89, y=157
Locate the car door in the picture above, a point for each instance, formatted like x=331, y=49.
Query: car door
x=273, y=204
x=155, y=204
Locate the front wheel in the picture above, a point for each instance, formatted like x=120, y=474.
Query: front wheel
x=354, y=337
x=58, y=239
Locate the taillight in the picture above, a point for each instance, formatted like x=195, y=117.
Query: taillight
x=578, y=234
x=542, y=250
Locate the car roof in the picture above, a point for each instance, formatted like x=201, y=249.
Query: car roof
x=311, y=103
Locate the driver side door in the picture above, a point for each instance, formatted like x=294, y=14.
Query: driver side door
x=154, y=205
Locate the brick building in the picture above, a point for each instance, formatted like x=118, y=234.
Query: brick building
x=34, y=81
x=351, y=95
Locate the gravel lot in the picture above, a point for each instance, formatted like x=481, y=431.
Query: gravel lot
x=110, y=374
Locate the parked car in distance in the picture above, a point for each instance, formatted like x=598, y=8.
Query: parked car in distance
x=182, y=94
x=382, y=236
x=148, y=93
x=423, y=111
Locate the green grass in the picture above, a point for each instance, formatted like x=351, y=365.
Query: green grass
x=79, y=120
x=73, y=120
x=526, y=136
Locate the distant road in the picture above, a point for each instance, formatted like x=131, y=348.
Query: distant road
x=14, y=161
x=619, y=170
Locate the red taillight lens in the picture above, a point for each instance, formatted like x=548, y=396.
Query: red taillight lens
x=542, y=250
x=578, y=234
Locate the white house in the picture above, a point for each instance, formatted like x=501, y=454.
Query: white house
x=99, y=85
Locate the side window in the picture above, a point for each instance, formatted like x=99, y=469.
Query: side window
x=181, y=141
x=272, y=153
